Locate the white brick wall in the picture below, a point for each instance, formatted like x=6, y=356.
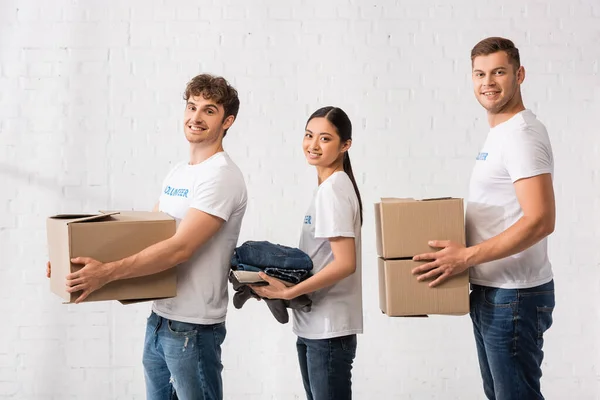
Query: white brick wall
x=90, y=111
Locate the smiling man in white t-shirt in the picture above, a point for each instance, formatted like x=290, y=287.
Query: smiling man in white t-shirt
x=510, y=213
x=207, y=197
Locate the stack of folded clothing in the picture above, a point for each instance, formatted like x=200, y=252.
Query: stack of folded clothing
x=288, y=264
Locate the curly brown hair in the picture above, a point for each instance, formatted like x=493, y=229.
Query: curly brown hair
x=215, y=88
x=493, y=45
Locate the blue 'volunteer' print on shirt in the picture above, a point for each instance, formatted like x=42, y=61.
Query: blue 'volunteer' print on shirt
x=307, y=219
x=482, y=156
x=170, y=191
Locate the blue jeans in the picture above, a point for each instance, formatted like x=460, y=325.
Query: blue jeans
x=182, y=360
x=326, y=366
x=509, y=326
x=265, y=254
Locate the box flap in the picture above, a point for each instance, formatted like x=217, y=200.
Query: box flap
x=437, y=198
x=71, y=216
x=98, y=217
x=396, y=199
x=129, y=216
x=58, y=255
x=407, y=199
x=83, y=217
x=136, y=301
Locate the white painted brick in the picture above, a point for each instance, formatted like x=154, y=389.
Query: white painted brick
x=417, y=11
x=8, y=12
x=43, y=69
x=88, y=353
x=14, y=69
x=327, y=11
x=234, y=12
x=28, y=12
x=394, y=12
x=371, y=11
x=94, y=68
x=596, y=10
x=9, y=388
x=305, y=13
x=149, y=33
x=8, y=374
x=75, y=14
x=94, y=34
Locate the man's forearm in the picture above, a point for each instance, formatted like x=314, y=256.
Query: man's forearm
x=156, y=258
x=523, y=234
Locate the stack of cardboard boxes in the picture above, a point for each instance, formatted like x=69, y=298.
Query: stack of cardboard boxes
x=404, y=228
x=108, y=237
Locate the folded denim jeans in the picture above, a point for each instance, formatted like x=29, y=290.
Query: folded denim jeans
x=264, y=254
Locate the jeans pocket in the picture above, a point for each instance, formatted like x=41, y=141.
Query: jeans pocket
x=348, y=343
x=544, y=322
x=181, y=328
x=149, y=319
x=503, y=298
x=219, y=332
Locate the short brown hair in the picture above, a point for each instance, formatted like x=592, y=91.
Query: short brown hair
x=215, y=88
x=493, y=45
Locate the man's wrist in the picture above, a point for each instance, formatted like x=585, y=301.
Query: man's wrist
x=472, y=256
x=112, y=269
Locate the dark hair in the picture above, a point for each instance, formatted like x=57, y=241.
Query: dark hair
x=215, y=88
x=339, y=119
x=493, y=45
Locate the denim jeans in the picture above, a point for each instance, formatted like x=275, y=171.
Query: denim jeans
x=509, y=326
x=265, y=254
x=326, y=366
x=182, y=360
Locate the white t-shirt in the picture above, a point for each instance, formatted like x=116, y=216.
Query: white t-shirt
x=516, y=149
x=215, y=186
x=336, y=310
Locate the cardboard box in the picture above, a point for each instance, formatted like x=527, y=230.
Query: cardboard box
x=109, y=237
x=404, y=226
x=400, y=294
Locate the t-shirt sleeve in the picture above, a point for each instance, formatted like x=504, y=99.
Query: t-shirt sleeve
x=335, y=213
x=221, y=195
x=527, y=153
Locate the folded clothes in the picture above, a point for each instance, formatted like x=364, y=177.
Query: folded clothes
x=263, y=254
x=285, y=274
x=278, y=307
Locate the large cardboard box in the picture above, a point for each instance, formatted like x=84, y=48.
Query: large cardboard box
x=109, y=237
x=400, y=294
x=404, y=226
